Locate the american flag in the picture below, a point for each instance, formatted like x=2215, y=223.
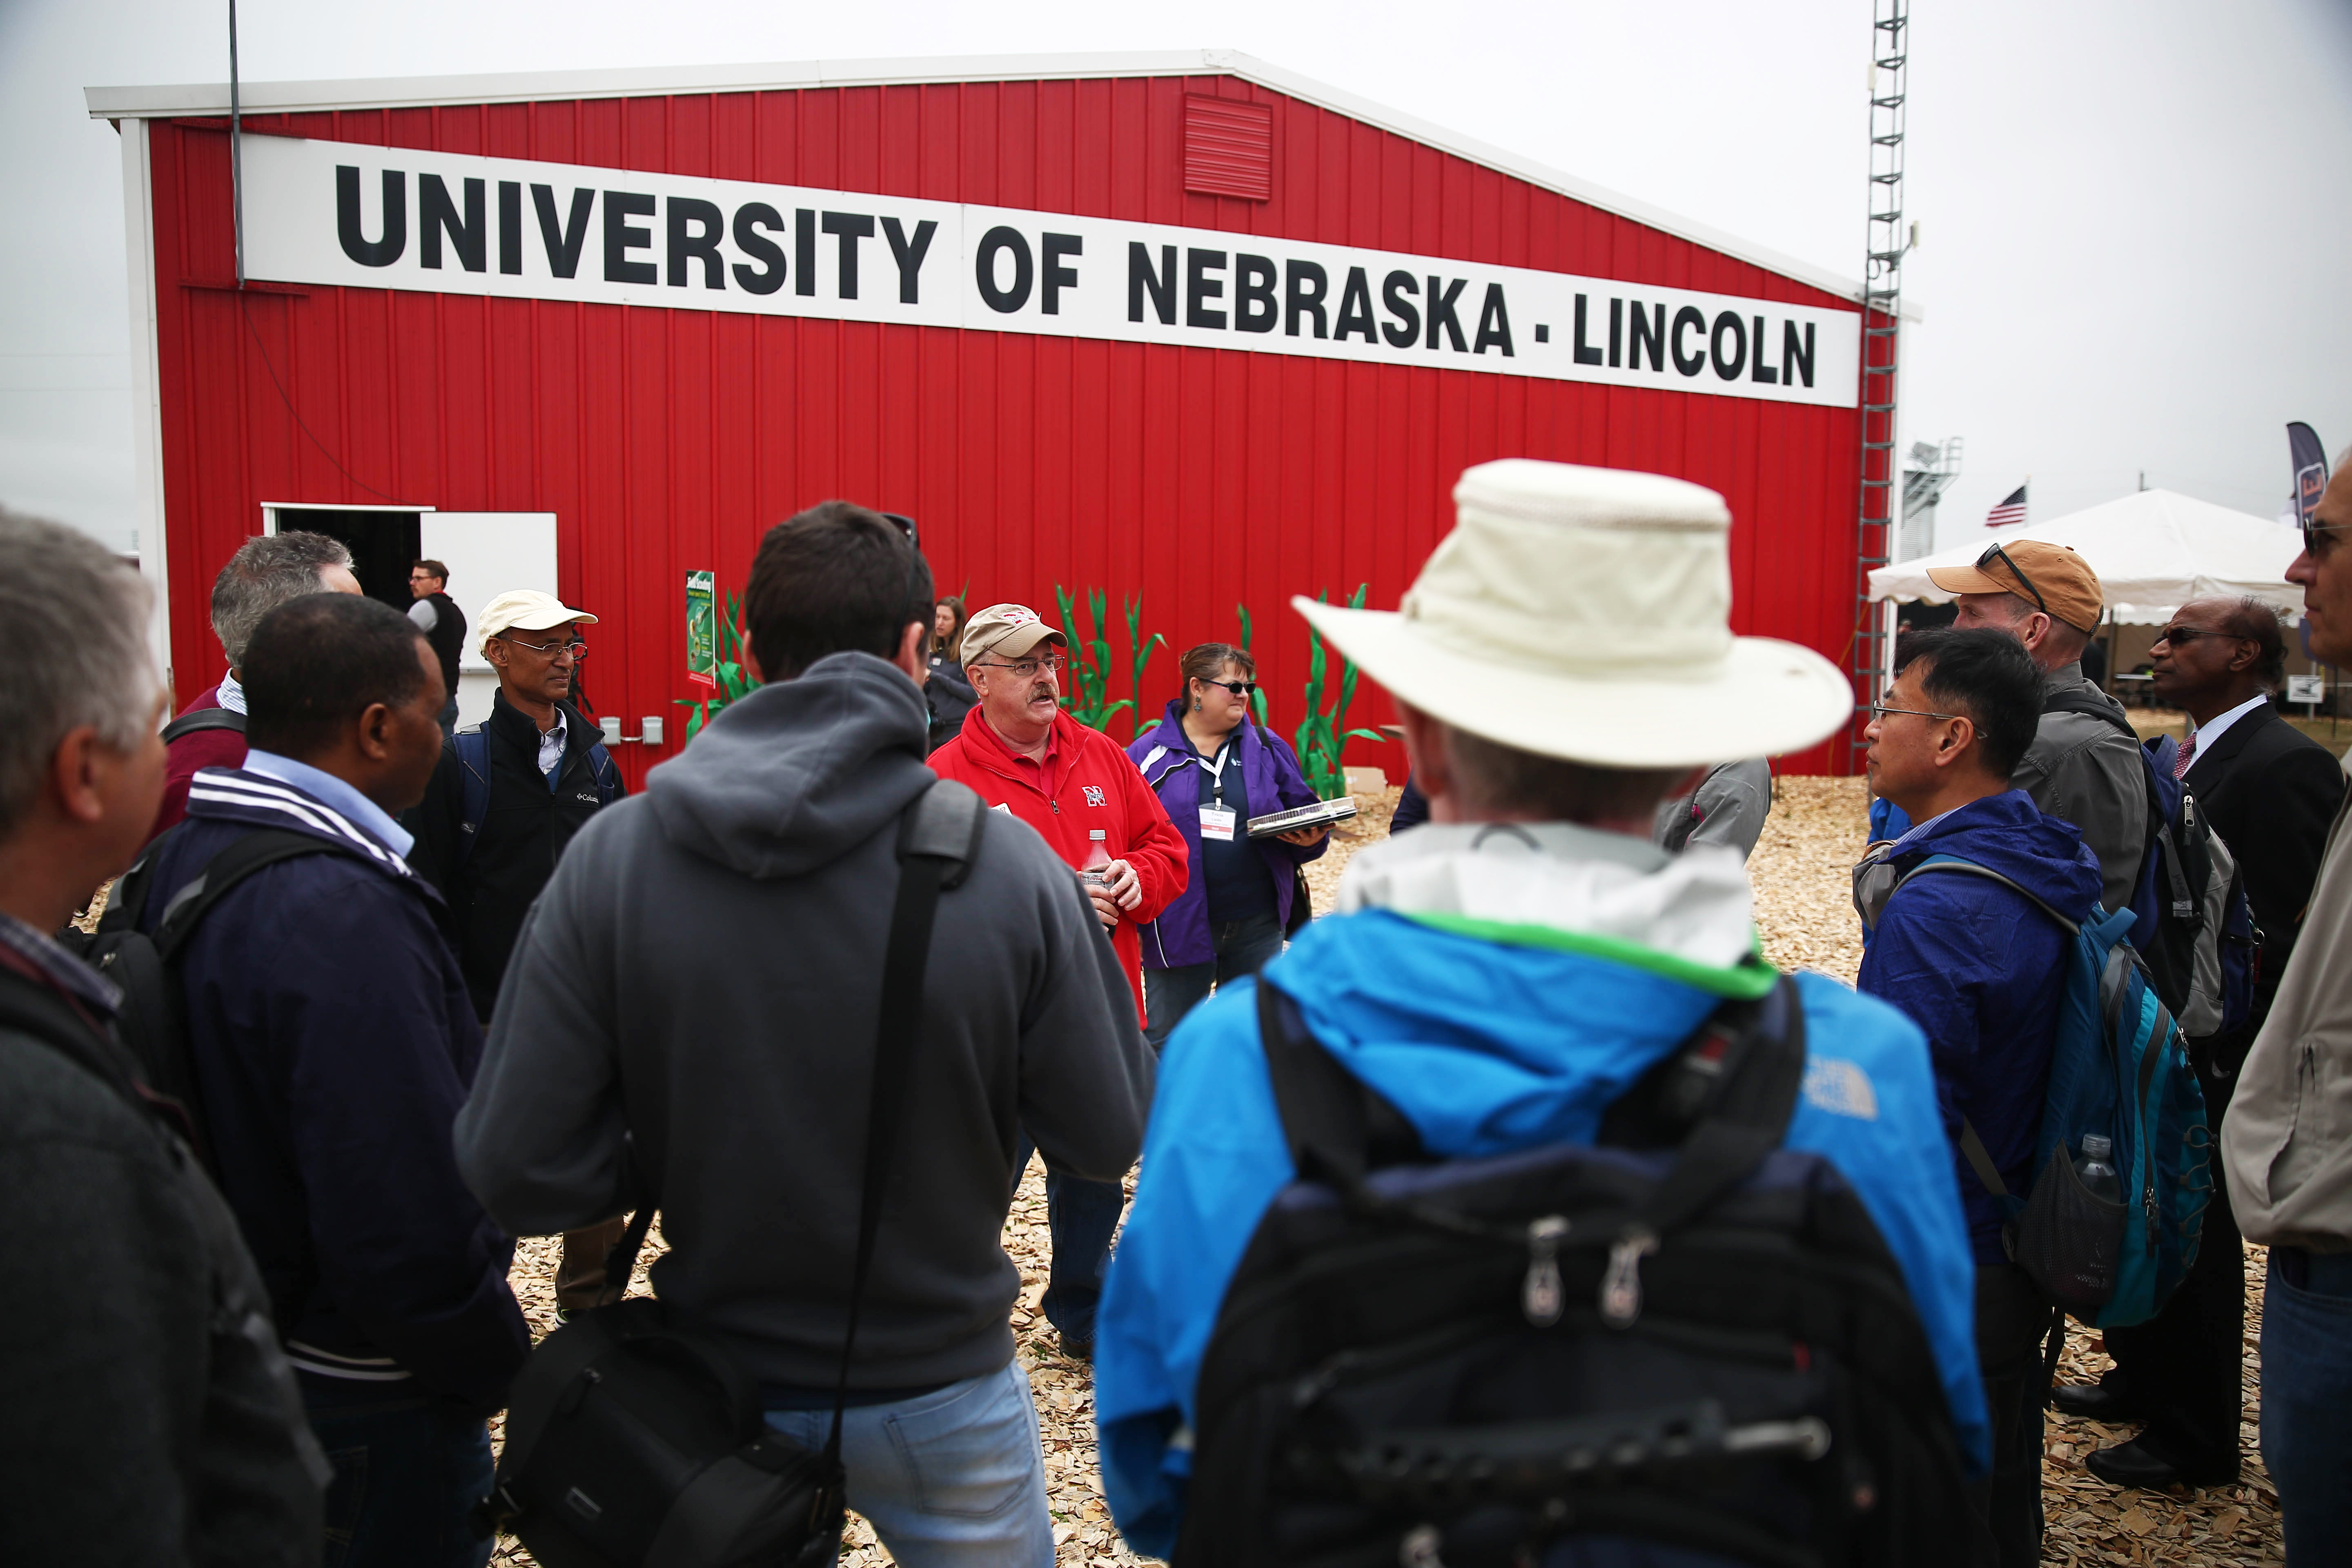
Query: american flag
x=2008, y=511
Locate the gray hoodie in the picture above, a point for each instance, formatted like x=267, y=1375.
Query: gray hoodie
x=701, y=979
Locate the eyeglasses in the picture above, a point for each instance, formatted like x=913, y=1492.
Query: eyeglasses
x=1238, y=687
x=1028, y=667
x=1993, y=552
x=2313, y=542
x=1879, y=710
x=577, y=648
x=2182, y=636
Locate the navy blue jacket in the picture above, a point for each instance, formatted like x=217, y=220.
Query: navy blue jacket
x=1980, y=970
x=333, y=1042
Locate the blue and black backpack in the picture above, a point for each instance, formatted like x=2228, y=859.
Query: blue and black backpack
x=2119, y=1068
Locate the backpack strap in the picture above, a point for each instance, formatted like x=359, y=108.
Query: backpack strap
x=2089, y=707
x=235, y=862
x=1338, y=1127
x=1758, y=1054
x=1954, y=863
x=606, y=772
x=473, y=749
x=198, y=718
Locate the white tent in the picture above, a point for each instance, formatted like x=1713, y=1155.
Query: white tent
x=2154, y=552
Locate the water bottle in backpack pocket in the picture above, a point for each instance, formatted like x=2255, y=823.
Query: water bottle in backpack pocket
x=2070, y=1234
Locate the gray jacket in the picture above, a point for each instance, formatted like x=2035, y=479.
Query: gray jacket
x=2087, y=772
x=2286, y=1144
x=701, y=978
x=1728, y=808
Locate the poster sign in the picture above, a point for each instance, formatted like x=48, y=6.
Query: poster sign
x=2307, y=688
x=339, y=213
x=701, y=630
x=2310, y=460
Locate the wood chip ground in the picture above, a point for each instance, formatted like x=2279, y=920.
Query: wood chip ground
x=1804, y=912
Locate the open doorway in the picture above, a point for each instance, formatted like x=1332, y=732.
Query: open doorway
x=384, y=544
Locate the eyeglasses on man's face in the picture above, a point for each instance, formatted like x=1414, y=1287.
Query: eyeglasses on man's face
x=1879, y=710
x=577, y=648
x=2182, y=636
x=1027, y=668
x=2319, y=538
x=423, y=578
x=1238, y=687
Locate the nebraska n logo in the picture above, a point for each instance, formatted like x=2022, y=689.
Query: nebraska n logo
x=1093, y=794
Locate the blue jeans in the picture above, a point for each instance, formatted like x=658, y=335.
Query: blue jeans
x=952, y=1478
x=1082, y=1217
x=2306, y=1389
x=1243, y=947
x=407, y=1472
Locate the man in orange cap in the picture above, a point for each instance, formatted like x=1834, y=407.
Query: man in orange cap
x=2084, y=765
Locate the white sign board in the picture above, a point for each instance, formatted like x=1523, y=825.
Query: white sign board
x=357, y=217
x=2307, y=688
x=487, y=553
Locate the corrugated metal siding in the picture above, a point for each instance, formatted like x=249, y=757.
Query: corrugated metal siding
x=1228, y=148
x=666, y=441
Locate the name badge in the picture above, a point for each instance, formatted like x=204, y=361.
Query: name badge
x=1217, y=823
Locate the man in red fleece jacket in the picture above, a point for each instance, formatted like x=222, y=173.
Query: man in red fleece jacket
x=1028, y=757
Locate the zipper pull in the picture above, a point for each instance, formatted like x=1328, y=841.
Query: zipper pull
x=1620, y=1287
x=1540, y=1297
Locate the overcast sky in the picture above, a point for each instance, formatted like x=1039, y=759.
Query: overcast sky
x=2136, y=218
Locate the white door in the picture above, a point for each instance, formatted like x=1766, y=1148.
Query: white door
x=487, y=553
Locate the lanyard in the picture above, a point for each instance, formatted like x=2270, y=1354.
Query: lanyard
x=1217, y=771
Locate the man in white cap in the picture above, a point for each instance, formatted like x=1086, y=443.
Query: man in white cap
x=1495, y=982
x=508, y=796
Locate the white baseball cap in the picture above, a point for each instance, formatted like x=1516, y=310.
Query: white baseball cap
x=526, y=610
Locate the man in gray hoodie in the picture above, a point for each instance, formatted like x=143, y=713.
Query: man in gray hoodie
x=689, y=1022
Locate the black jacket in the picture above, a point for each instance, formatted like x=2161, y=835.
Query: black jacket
x=491, y=887
x=146, y=1414
x=2271, y=792
x=948, y=696
x=448, y=636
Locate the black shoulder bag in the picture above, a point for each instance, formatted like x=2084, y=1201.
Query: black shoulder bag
x=630, y=1442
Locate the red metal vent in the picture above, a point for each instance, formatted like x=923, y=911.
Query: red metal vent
x=1229, y=148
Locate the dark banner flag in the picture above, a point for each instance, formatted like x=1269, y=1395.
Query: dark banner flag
x=2310, y=460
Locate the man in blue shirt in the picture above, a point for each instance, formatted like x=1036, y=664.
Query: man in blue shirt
x=1504, y=973
x=1981, y=969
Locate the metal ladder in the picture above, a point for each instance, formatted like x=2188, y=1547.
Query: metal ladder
x=1882, y=317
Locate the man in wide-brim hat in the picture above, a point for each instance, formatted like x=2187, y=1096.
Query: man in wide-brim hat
x=1564, y=662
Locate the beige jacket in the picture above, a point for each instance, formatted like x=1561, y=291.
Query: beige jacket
x=2286, y=1145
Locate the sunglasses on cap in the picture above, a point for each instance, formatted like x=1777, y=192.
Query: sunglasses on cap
x=1993, y=552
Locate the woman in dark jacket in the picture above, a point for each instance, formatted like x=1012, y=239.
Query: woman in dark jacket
x=948, y=691
x=1213, y=771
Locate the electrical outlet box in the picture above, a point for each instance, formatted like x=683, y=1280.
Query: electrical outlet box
x=612, y=730
x=649, y=731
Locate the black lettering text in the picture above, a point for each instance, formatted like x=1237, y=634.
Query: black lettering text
x=1441, y=312
x=1687, y=317
x=1200, y=287
x=1583, y=355
x=1406, y=331
x=1795, y=360
x=908, y=254
x=1303, y=292
x=1616, y=332
x=1728, y=366
x=358, y=246
x=695, y=227
x=804, y=250
x=1003, y=239
x=1763, y=371
x=1494, y=322
x=1254, y=310
x=563, y=239
x=1356, y=310
x=851, y=228
x=510, y=227
x=1649, y=329
x=750, y=219
x=1162, y=284
x=1058, y=277
x=437, y=214
x=621, y=237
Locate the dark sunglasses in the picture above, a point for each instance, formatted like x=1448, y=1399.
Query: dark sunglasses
x=2182, y=636
x=1238, y=687
x=2314, y=543
x=1993, y=552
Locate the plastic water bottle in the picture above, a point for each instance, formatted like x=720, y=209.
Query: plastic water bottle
x=2098, y=1176
x=1096, y=872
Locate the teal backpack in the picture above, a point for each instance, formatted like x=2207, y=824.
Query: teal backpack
x=2118, y=1068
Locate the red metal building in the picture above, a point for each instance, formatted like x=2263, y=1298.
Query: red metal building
x=1087, y=344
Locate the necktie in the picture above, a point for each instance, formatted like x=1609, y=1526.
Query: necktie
x=2180, y=759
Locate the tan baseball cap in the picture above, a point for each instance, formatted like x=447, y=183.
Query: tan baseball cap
x=526, y=610
x=2051, y=577
x=1008, y=631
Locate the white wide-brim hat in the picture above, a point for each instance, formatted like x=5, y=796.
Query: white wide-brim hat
x=1585, y=614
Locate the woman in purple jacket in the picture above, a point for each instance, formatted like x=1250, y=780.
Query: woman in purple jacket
x=1214, y=770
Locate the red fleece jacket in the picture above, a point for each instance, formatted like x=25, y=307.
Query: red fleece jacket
x=1086, y=782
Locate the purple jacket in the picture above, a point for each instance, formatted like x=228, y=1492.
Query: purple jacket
x=1271, y=774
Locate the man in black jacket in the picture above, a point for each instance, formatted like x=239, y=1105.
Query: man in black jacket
x=436, y=615
x=147, y=1415
x=508, y=796
x=2270, y=792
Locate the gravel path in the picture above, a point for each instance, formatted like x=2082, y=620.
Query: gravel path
x=1804, y=912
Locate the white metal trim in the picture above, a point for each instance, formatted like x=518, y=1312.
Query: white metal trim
x=527, y=86
x=146, y=401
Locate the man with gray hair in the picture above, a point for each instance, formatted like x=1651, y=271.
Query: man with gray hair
x=146, y=1413
x=265, y=573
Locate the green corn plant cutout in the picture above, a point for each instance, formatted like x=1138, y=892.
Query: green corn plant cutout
x=1323, y=736
x=1085, y=687
x=735, y=682
x=1257, y=698
x=1140, y=649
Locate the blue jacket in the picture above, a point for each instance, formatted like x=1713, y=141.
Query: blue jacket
x=1271, y=772
x=1982, y=970
x=333, y=1042
x=1485, y=1048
